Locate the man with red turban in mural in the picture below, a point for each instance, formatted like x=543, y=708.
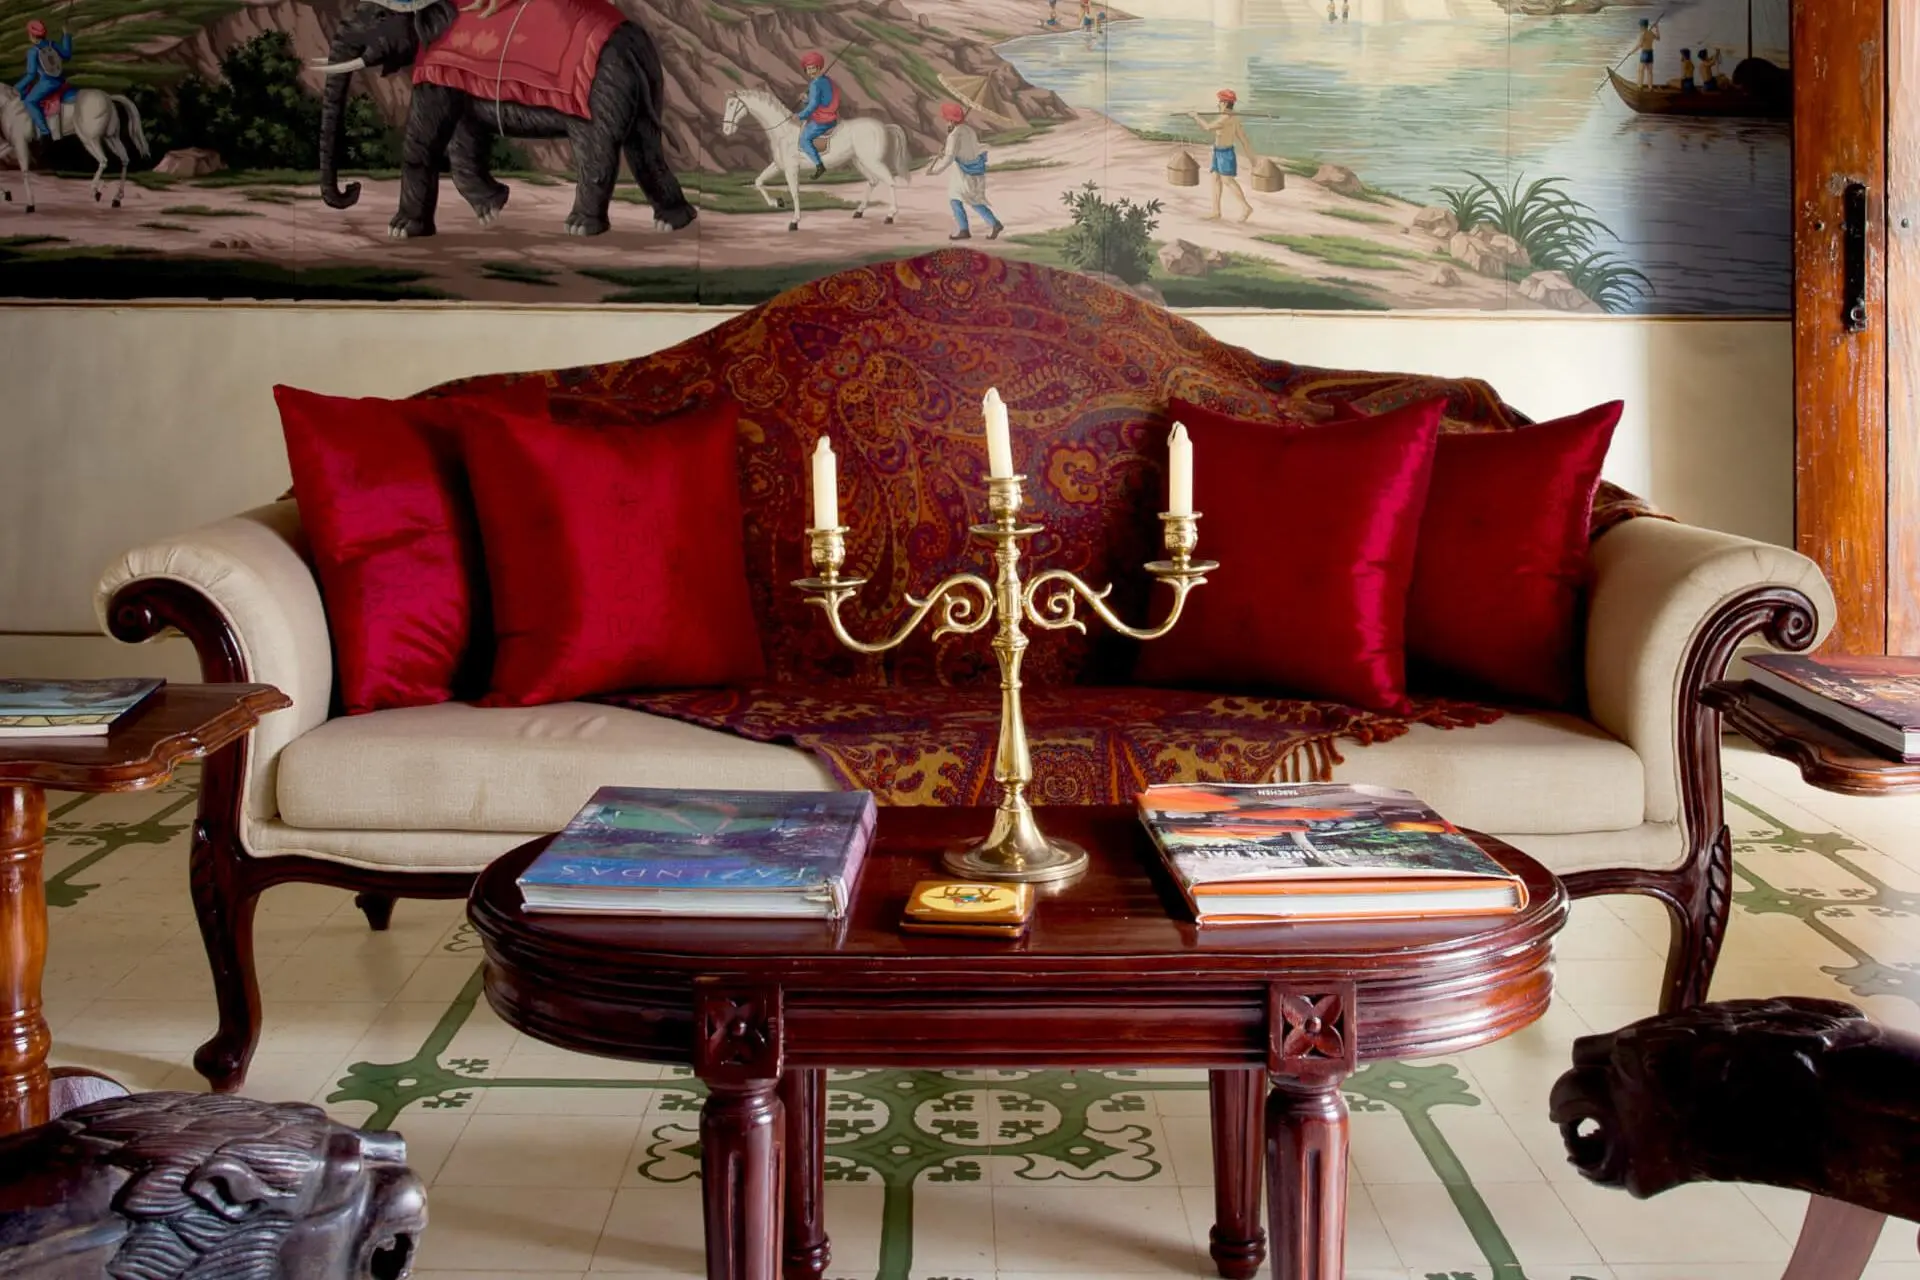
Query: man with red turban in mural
x=1228, y=134
x=820, y=112
x=965, y=161
x=46, y=72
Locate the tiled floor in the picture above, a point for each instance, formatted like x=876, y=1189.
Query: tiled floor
x=545, y=1163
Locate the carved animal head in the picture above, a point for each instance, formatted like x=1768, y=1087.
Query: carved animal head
x=1678, y=1098
x=180, y=1184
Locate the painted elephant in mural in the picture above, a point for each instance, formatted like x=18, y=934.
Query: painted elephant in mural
x=618, y=112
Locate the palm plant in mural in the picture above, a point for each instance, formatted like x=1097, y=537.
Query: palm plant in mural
x=1558, y=232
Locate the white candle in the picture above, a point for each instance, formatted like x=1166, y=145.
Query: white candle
x=826, y=486
x=999, y=443
x=1179, y=472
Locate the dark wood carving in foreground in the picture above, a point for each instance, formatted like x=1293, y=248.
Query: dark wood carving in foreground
x=162, y=1185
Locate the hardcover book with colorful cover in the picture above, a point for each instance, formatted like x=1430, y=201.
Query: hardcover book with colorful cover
x=68, y=708
x=1319, y=851
x=711, y=853
x=1871, y=697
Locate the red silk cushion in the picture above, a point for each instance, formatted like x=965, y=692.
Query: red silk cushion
x=1315, y=533
x=384, y=504
x=614, y=554
x=1499, y=587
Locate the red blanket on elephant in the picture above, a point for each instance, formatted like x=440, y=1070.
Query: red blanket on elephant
x=539, y=53
x=891, y=361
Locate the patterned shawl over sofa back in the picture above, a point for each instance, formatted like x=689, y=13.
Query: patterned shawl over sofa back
x=891, y=361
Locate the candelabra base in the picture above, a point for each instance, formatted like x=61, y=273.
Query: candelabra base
x=1017, y=851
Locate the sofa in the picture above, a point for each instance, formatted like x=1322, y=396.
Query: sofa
x=1622, y=795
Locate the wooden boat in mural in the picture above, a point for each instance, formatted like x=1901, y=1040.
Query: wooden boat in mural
x=1768, y=95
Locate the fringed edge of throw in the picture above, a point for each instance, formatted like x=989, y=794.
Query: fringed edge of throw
x=1309, y=760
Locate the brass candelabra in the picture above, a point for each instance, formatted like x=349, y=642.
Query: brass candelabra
x=1015, y=848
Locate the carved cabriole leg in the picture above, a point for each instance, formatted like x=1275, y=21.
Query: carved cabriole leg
x=224, y=897
x=377, y=908
x=24, y=1039
x=803, y=1099
x=1237, y=1102
x=1698, y=896
x=1310, y=1052
x=738, y=1055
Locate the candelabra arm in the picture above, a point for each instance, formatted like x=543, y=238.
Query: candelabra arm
x=965, y=601
x=1052, y=599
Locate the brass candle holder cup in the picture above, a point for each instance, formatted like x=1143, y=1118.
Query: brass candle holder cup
x=1015, y=848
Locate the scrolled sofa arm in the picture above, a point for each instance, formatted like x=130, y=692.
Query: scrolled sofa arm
x=1671, y=603
x=241, y=590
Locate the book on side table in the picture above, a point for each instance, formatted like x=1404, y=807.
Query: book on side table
x=706, y=853
x=68, y=708
x=1263, y=853
x=1868, y=696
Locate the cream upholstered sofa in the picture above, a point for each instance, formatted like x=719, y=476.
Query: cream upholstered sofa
x=415, y=801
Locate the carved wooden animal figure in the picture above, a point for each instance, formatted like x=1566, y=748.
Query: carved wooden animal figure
x=1792, y=1092
x=162, y=1185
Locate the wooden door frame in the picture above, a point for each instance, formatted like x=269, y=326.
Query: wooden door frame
x=1903, y=328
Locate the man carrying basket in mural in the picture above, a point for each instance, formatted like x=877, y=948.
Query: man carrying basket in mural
x=1228, y=134
x=965, y=162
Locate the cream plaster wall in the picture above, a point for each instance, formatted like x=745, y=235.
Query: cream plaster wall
x=125, y=424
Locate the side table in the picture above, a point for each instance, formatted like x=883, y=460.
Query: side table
x=179, y=723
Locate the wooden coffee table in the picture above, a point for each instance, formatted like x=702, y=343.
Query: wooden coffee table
x=1112, y=974
x=180, y=722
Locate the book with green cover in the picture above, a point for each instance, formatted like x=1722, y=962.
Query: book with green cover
x=68, y=708
x=713, y=853
x=1250, y=853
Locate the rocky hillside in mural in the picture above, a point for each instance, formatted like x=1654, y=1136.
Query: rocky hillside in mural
x=889, y=58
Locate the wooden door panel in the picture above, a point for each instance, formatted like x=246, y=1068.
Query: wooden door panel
x=1840, y=443
x=1903, y=328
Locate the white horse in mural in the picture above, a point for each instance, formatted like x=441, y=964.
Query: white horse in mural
x=868, y=143
x=90, y=115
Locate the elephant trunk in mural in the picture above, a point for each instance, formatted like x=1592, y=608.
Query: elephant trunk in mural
x=453, y=124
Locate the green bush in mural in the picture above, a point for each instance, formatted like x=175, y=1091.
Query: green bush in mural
x=1559, y=233
x=1110, y=236
x=258, y=117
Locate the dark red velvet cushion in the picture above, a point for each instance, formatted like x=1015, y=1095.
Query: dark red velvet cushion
x=1315, y=531
x=615, y=556
x=1496, y=609
x=383, y=500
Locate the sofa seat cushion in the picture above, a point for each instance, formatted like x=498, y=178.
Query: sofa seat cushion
x=457, y=767
x=1543, y=773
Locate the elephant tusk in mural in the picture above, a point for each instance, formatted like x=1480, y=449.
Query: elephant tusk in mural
x=338, y=68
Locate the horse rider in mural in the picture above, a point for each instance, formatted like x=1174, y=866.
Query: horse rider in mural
x=46, y=72
x=1228, y=134
x=821, y=111
x=965, y=162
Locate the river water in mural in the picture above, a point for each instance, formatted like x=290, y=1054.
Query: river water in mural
x=1701, y=206
x=1379, y=155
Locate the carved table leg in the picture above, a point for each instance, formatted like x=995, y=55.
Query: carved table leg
x=24, y=1039
x=803, y=1096
x=1237, y=1242
x=1307, y=1178
x=740, y=1168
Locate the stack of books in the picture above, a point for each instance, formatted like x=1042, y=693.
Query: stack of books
x=1876, y=699
x=706, y=853
x=68, y=708
x=1261, y=853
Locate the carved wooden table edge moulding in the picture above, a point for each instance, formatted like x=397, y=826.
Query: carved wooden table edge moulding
x=178, y=724
x=1112, y=974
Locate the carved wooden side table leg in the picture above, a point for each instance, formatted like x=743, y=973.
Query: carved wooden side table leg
x=24, y=1038
x=1307, y=1179
x=1237, y=1101
x=803, y=1096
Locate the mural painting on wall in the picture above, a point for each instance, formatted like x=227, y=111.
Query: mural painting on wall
x=1552, y=155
